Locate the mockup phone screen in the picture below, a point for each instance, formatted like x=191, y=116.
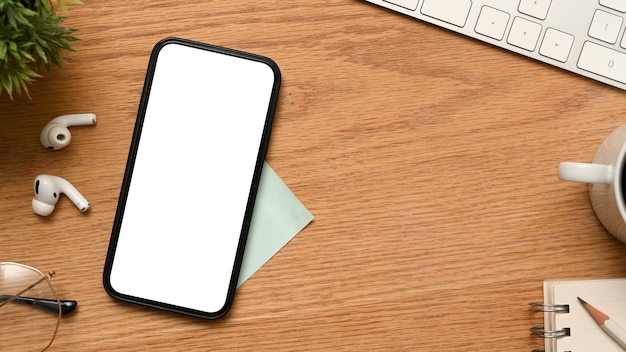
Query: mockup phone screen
x=193, y=169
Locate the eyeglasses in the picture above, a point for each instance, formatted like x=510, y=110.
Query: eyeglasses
x=30, y=310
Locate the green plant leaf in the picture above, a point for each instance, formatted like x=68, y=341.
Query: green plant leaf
x=41, y=53
x=25, y=54
x=7, y=85
x=3, y=50
x=12, y=47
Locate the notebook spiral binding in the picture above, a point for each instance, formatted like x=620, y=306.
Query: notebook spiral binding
x=539, y=330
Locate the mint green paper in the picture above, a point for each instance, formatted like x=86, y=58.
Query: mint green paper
x=277, y=218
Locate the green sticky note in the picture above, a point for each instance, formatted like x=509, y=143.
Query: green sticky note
x=277, y=218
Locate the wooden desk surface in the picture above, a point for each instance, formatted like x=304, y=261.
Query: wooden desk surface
x=431, y=174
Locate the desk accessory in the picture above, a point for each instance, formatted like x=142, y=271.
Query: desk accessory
x=278, y=216
x=587, y=39
x=30, y=309
x=55, y=134
x=607, y=324
x=48, y=190
x=567, y=324
x=605, y=176
x=191, y=179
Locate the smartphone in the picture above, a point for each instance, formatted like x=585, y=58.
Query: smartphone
x=195, y=161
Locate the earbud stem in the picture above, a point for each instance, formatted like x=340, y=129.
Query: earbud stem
x=75, y=119
x=72, y=193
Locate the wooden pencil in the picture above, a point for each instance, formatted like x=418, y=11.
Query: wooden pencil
x=606, y=323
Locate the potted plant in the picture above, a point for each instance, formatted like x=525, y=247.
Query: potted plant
x=31, y=39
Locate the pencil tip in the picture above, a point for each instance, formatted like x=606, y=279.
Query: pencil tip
x=581, y=300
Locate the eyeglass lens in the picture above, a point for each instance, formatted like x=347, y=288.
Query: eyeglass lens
x=29, y=309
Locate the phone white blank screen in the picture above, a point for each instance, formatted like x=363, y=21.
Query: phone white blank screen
x=192, y=176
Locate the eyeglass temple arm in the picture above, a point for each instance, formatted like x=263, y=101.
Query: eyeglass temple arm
x=48, y=304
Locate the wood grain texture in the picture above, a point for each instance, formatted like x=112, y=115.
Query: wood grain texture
x=428, y=159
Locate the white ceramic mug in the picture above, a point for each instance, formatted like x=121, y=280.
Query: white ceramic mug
x=605, y=176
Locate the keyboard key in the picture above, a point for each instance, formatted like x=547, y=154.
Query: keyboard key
x=408, y=4
x=556, y=45
x=603, y=61
x=492, y=22
x=524, y=34
x=605, y=26
x=617, y=5
x=535, y=8
x=623, y=44
x=451, y=11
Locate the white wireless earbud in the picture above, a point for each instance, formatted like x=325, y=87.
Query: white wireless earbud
x=56, y=135
x=48, y=189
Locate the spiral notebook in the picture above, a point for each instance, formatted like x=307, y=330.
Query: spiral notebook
x=567, y=326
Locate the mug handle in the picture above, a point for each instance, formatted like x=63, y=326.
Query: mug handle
x=586, y=172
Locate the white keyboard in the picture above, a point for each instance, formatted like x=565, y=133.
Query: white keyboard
x=581, y=36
